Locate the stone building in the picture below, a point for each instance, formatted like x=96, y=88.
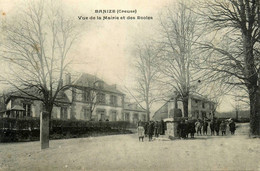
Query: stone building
x=198, y=107
x=93, y=99
x=133, y=113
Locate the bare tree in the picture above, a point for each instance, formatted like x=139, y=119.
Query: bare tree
x=179, y=32
x=36, y=46
x=233, y=56
x=146, y=90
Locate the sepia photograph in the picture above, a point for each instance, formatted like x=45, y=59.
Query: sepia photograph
x=130, y=85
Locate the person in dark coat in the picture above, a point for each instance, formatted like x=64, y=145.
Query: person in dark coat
x=205, y=127
x=192, y=129
x=150, y=130
x=185, y=129
x=156, y=129
x=161, y=128
x=223, y=127
x=181, y=129
x=146, y=128
x=232, y=127
x=218, y=122
x=212, y=127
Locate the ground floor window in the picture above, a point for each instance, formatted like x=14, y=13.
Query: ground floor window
x=135, y=118
x=101, y=116
x=127, y=117
x=113, y=115
x=64, y=113
x=27, y=110
x=86, y=114
x=143, y=117
x=203, y=114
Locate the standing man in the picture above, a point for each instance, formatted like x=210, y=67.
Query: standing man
x=232, y=127
x=205, y=127
x=150, y=130
x=212, y=127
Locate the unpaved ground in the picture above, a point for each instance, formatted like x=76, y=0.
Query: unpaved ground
x=124, y=152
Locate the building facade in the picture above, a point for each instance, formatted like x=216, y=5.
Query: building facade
x=133, y=113
x=93, y=99
x=87, y=98
x=198, y=108
x=21, y=105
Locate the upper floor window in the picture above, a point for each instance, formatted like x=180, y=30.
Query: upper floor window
x=101, y=98
x=85, y=96
x=113, y=100
x=203, y=105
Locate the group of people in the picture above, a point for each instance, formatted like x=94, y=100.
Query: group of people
x=186, y=127
x=201, y=127
x=150, y=129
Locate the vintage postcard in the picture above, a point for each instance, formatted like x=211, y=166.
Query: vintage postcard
x=129, y=85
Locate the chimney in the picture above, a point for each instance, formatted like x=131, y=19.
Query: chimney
x=68, y=79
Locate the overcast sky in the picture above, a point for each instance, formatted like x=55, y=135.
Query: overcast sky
x=105, y=46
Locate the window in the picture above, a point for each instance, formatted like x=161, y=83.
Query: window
x=85, y=96
x=27, y=110
x=63, y=113
x=86, y=114
x=136, y=118
x=144, y=118
x=113, y=100
x=101, y=98
x=127, y=117
x=203, y=105
x=113, y=115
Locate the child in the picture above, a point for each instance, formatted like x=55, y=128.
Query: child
x=140, y=131
x=223, y=128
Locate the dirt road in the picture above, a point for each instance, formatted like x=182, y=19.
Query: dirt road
x=124, y=152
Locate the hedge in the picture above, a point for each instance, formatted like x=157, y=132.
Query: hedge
x=28, y=129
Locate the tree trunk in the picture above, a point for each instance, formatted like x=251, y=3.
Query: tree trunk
x=45, y=125
x=254, y=97
x=148, y=115
x=185, y=103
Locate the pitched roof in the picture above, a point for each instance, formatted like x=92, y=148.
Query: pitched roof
x=88, y=80
x=33, y=93
x=17, y=107
x=133, y=106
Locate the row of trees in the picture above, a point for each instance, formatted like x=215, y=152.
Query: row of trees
x=215, y=44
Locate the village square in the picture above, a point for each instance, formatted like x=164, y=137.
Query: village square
x=150, y=85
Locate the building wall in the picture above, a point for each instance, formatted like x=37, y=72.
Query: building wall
x=195, y=107
x=106, y=109
x=134, y=116
x=36, y=107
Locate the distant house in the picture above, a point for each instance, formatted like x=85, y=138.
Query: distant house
x=134, y=113
x=20, y=105
x=93, y=99
x=199, y=107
